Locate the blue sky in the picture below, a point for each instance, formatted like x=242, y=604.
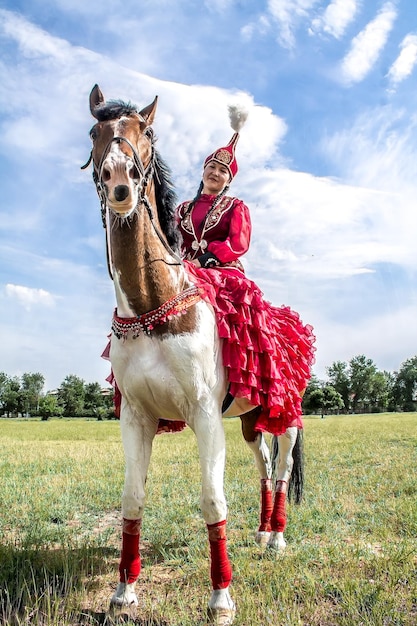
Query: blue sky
x=327, y=161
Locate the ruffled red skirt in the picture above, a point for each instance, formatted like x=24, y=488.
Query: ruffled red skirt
x=267, y=351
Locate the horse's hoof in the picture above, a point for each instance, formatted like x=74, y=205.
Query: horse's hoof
x=221, y=617
x=276, y=542
x=262, y=538
x=221, y=608
x=124, y=596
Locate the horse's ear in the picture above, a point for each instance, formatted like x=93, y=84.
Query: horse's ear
x=96, y=98
x=148, y=113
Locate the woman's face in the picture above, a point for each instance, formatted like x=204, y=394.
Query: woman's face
x=215, y=177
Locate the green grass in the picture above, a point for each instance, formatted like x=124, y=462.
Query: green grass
x=351, y=555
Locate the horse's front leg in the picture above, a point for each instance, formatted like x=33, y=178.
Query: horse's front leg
x=286, y=444
x=211, y=445
x=137, y=437
x=257, y=444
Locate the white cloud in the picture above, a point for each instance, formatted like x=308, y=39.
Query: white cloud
x=405, y=62
x=367, y=45
x=47, y=128
x=336, y=17
x=377, y=150
x=29, y=297
x=376, y=154
x=261, y=25
x=57, y=333
x=59, y=340
x=287, y=15
x=321, y=230
x=218, y=5
x=33, y=41
x=394, y=333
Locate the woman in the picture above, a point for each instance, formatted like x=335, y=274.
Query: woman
x=267, y=351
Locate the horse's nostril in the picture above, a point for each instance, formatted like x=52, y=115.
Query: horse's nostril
x=121, y=192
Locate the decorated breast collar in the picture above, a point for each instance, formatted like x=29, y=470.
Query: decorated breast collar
x=145, y=323
x=213, y=218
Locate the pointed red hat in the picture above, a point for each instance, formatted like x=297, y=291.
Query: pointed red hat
x=226, y=155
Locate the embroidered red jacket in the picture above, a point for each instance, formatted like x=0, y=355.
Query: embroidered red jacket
x=227, y=230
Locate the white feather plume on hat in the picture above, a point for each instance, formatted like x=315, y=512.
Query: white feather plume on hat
x=238, y=116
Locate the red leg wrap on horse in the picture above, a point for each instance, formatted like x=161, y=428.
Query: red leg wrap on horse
x=279, y=515
x=266, y=505
x=129, y=567
x=221, y=570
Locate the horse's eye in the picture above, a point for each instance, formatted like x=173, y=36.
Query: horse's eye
x=149, y=132
x=133, y=173
x=93, y=133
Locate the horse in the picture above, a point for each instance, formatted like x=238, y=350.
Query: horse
x=165, y=352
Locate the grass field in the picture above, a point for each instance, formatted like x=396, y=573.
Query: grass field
x=352, y=544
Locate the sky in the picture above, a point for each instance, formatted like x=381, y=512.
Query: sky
x=327, y=162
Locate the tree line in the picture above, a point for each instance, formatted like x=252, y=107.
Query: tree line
x=356, y=386
x=74, y=398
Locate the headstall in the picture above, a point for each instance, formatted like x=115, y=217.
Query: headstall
x=178, y=305
x=144, y=172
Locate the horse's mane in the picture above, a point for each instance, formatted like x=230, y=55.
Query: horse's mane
x=166, y=199
x=166, y=202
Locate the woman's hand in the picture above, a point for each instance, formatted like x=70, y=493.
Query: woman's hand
x=196, y=262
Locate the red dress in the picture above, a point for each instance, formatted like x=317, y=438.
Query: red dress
x=267, y=350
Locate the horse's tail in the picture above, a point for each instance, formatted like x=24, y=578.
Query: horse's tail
x=274, y=455
x=296, y=481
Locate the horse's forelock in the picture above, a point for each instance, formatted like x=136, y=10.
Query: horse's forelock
x=113, y=109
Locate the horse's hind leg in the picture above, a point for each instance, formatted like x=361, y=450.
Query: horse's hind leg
x=137, y=442
x=256, y=442
x=286, y=444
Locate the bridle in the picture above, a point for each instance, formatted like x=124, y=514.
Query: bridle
x=146, y=174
